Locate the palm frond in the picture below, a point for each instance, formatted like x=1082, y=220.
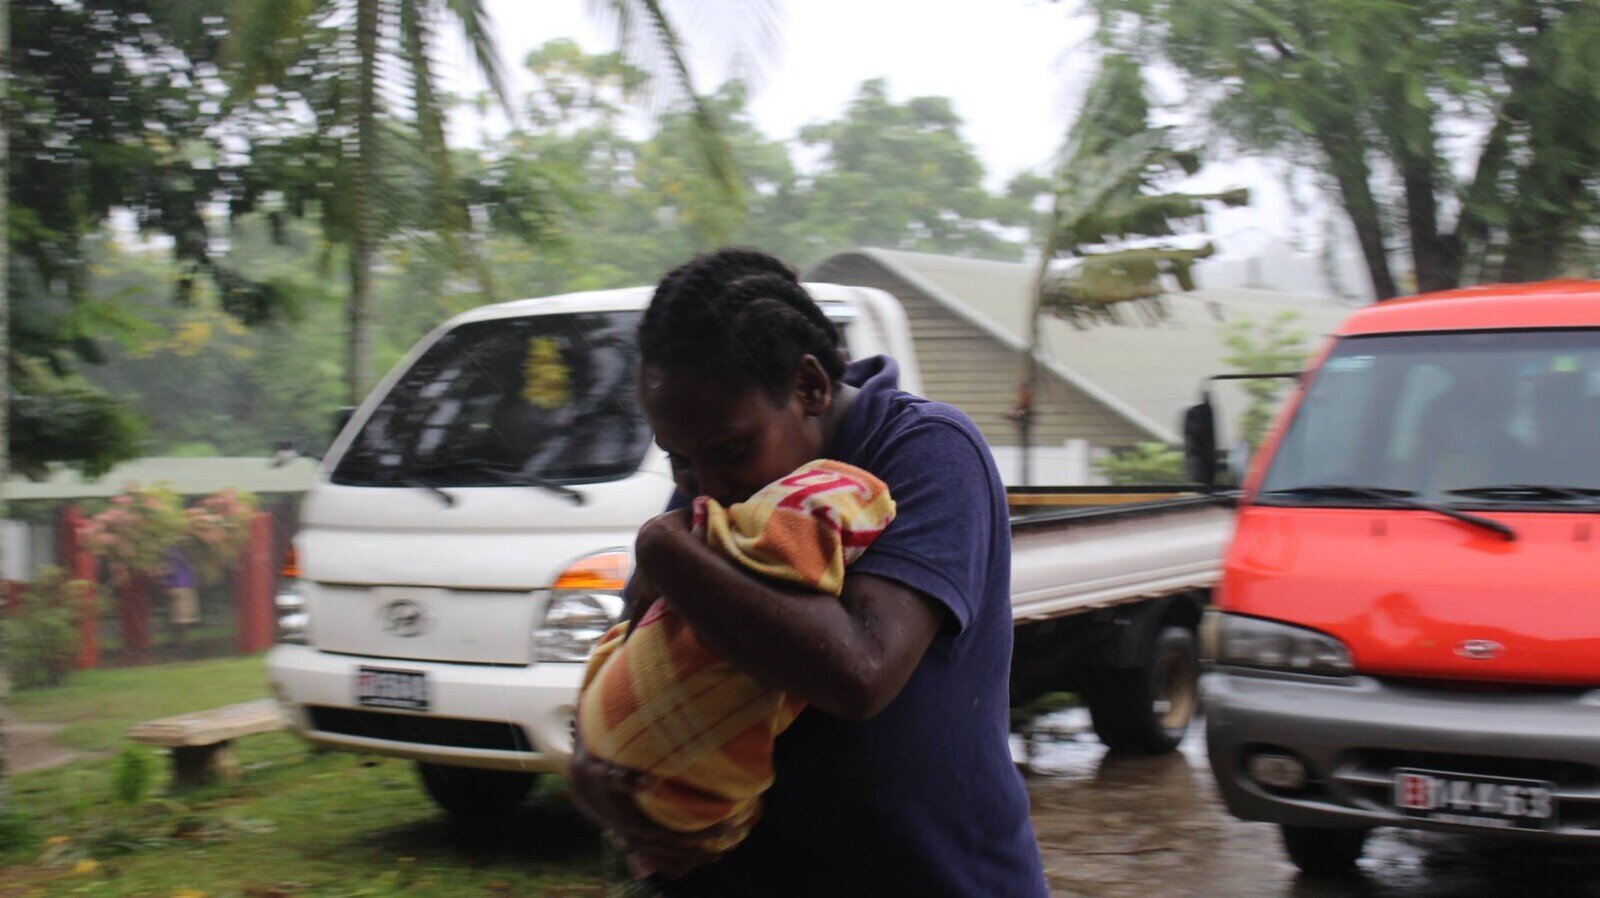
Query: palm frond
x=265, y=38
x=479, y=28
x=652, y=40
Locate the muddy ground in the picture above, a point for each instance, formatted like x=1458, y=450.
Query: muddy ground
x=1155, y=827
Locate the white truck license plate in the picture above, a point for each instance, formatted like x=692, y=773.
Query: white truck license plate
x=378, y=687
x=1469, y=800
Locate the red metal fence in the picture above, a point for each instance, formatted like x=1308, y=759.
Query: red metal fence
x=253, y=581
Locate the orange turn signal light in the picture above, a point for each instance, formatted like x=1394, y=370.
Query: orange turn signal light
x=291, y=565
x=600, y=572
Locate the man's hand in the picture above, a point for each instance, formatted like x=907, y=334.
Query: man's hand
x=605, y=793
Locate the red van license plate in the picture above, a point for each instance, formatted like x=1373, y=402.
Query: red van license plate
x=377, y=687
x=1482, y=801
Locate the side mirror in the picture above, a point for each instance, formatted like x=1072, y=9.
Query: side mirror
x=1200, y=443
x=341, y=418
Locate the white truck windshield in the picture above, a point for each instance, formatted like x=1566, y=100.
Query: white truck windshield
x=542, y=397
x=1475, y=418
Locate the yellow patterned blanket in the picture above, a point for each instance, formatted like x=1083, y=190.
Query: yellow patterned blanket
x=660, y=703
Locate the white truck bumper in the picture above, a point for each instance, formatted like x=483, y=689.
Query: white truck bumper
x=493, y=717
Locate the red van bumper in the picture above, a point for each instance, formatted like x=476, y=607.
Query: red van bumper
x=1377, y=753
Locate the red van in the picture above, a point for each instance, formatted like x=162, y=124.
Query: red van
x=1408, y=628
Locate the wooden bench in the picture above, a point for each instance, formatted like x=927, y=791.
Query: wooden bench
x=199, y=741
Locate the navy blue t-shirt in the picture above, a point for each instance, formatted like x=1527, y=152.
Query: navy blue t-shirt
x=924, y=798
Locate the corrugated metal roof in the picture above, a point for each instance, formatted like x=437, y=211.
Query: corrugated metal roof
x=188, y=476
x=1149, y=374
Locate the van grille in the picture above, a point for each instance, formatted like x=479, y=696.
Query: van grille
x=452, y=732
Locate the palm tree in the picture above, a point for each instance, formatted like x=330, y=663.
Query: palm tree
x=1110, y=236
x=393, y=129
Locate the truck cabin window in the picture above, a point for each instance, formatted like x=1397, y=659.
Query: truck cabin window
x=1501, y=418
x=544, y=396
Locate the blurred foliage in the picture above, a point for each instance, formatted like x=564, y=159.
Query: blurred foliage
x=1264, y=347
x=39, y=637
x=570, y=198
x=1379, y=98
x=111, y=113
x=1145, y=463
x=131, y=775
x=899, y=175
x=369, y=154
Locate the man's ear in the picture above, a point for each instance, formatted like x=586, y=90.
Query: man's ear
x=813, y=386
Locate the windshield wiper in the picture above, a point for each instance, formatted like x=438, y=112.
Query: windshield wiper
x=505, y=474
x=418, y=483
x=1532, y=492
x=1394, y=497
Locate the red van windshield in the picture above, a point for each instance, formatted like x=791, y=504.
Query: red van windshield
x=1502, y=417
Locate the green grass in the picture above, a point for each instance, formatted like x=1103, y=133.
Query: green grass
x=98, y=706
x=296, y=823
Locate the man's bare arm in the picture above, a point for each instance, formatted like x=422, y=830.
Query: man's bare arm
x=849, y=656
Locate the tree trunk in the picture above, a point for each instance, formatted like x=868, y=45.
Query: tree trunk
x=1539, y=234
x=1434, y=257
x=363, y=186
x=1347, y=161
x=5, y=345
x=1472, y=228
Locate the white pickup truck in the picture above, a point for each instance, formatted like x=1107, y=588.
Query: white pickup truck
x=468, y=534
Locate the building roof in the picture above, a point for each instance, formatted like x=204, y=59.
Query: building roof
x=187, y=476
x=1147, y=374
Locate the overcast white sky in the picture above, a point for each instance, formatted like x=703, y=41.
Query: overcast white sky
x=1015, y=70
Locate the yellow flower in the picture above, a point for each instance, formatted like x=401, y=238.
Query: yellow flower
x=545, y=375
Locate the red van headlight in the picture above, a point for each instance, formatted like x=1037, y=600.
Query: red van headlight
x=1241, y=641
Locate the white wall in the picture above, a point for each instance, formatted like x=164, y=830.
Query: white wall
x=1066, y=465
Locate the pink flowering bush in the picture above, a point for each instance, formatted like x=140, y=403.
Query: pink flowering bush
x=137, y=532
x=219, y=529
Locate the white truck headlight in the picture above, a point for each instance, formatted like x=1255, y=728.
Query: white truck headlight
x=289, y=605
x=585, y=601
x=1241, y=641
x=293, y=619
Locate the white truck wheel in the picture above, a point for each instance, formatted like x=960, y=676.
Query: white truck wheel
x=468, y=793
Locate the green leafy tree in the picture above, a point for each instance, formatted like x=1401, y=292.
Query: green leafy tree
x=109, y=106
x=899, y=176
x=1368, y=94
x=1275, y=345
x=378, y=169
x=344, y=60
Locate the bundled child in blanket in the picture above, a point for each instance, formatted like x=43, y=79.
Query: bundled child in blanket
x=657, y=702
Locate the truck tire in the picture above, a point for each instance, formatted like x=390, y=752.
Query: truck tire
x=1146, y=710
x=468, y=793
x=1319, y=851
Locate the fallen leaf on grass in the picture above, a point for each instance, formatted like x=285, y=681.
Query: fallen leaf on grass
x=87, y=865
